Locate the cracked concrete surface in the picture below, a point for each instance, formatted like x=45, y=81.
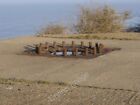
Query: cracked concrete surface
x=37, y=94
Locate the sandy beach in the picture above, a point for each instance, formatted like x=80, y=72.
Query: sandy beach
x=118, y=70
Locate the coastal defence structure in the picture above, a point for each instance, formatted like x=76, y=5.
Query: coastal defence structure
x=63, y=49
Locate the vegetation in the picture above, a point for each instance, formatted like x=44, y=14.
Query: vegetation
x=100, y=36
x=93, y=20
x=52, y=29
x=12, y=81
x=100, y=20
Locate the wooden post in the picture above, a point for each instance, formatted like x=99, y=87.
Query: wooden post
x=40, y=49
x=59, y=49
x=90, y=44
x=54, y=47
x=101, y=46
x=82, y=44
x=37, y=49
x=73, y=43
x=75, y=51
x=94, y=51
x=86, y=51
x=40, y=44
x=54, y=44
x=46, y=43
x=46, y=47
x=97, y=48
x=65, y=52
x=63, y=44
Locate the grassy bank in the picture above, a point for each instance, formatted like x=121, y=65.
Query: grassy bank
x=100, y=36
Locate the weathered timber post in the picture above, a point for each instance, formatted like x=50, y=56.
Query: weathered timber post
x=54, y=47
x=73, y=43
x=90, y=44
x=59, y=49
x=82, y=44
x=40, y=44
x=65, y=52
x=101, y=47
x=46, y=43
x=75, y=51
x=63, y=44
x=97, y=48
x=94, y=51
x=37, y=49
x=46, y=47
x=54, y=44
x=86, y=51
x=40, y=49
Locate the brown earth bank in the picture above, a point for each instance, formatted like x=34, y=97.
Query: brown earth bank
x=111, y=79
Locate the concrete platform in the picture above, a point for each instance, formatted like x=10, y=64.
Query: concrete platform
x=117, y=70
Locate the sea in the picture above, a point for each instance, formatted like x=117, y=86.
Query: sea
x=28, y=19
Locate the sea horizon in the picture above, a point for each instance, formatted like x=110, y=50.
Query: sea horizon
x=21, y=20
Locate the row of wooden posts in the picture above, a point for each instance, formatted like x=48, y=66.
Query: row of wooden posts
x=54, y=47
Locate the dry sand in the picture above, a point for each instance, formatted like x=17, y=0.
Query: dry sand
x=117, y=70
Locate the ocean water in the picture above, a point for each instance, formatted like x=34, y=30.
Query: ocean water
x=18, y=20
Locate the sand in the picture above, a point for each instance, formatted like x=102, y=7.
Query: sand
x=116, y=70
